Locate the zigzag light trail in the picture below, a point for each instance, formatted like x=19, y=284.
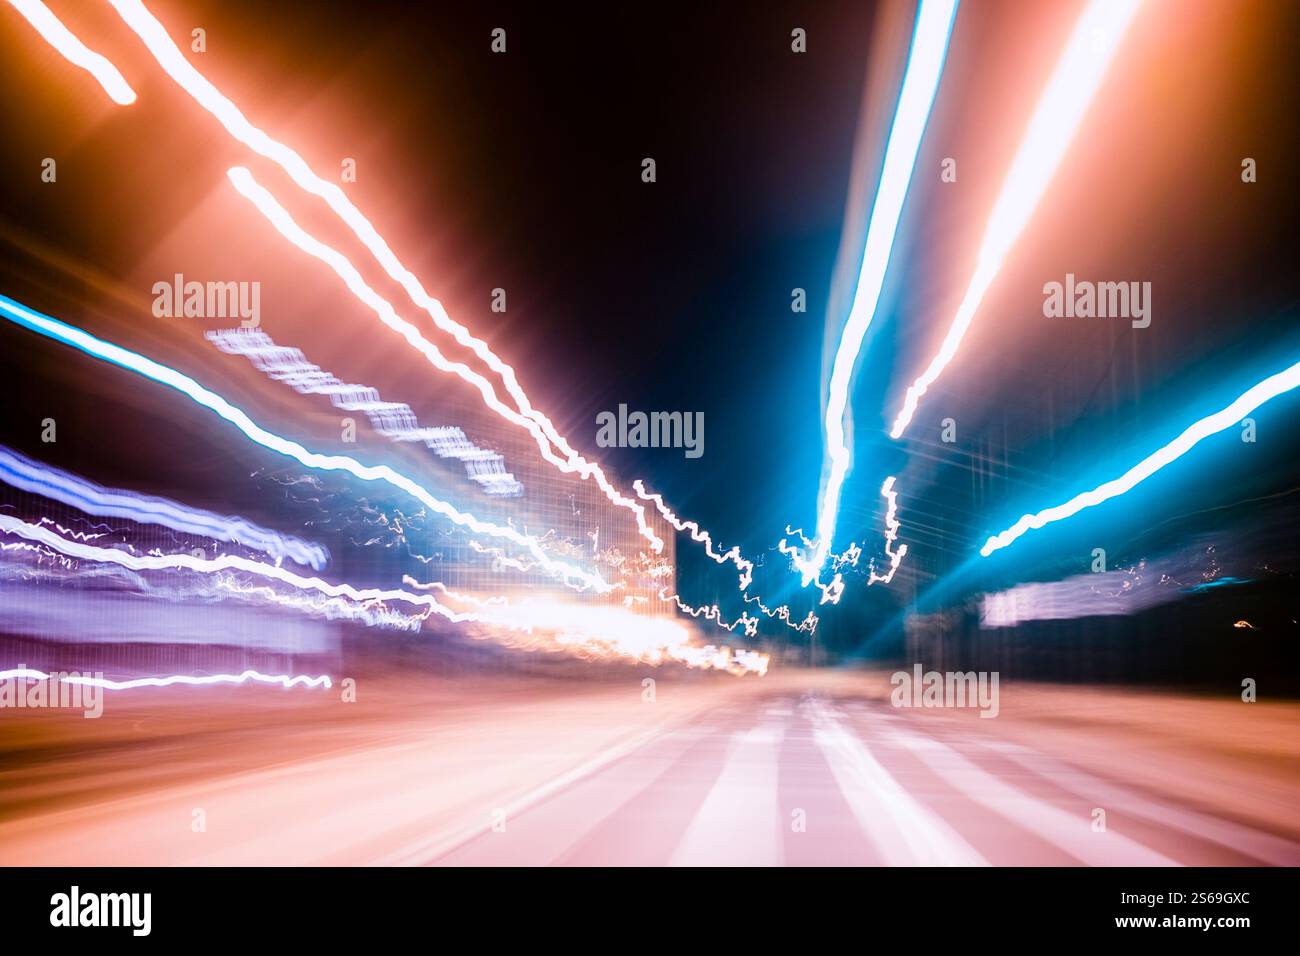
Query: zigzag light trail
x=279, y=217
x=920, y=83
x=698, y=534
x=30, y=476
x=173, y=62
x=782, y=614
x=51, y=28
x=712, y=613
x=744, y=565
x=892, y=526
x=1269, y=388
x=831, y=592
x=106, y=351
x=1056, y=119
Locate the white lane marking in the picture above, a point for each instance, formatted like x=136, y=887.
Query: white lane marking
x=905, y=831
x=1067, y=831
x=739, y=823
x=1243, y=839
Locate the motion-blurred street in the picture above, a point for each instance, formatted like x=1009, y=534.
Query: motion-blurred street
x=800, y=768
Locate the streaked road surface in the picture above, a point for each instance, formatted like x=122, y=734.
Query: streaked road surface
x=798, y=769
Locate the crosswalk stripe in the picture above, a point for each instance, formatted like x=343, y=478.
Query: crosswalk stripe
x=1069, y=832
x=739, y=823
x=906, y=832
x=1235, y=836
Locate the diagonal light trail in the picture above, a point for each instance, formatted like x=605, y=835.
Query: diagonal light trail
x=1270, y=388
x=920, y=83
x=65, y=41
x=206, y=94
x=61, y=332
x=1056, y=119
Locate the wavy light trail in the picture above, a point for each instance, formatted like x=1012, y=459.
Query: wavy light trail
x=1270, y=388
x=173, y=62
x=51, y=28
x=1056, y=119
x=460, y=596
x=920, y=83
x=712, y=613
x=371, y=613
x=27, y=673
x=83, y=341
x=31, y=476
x=225, y=562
